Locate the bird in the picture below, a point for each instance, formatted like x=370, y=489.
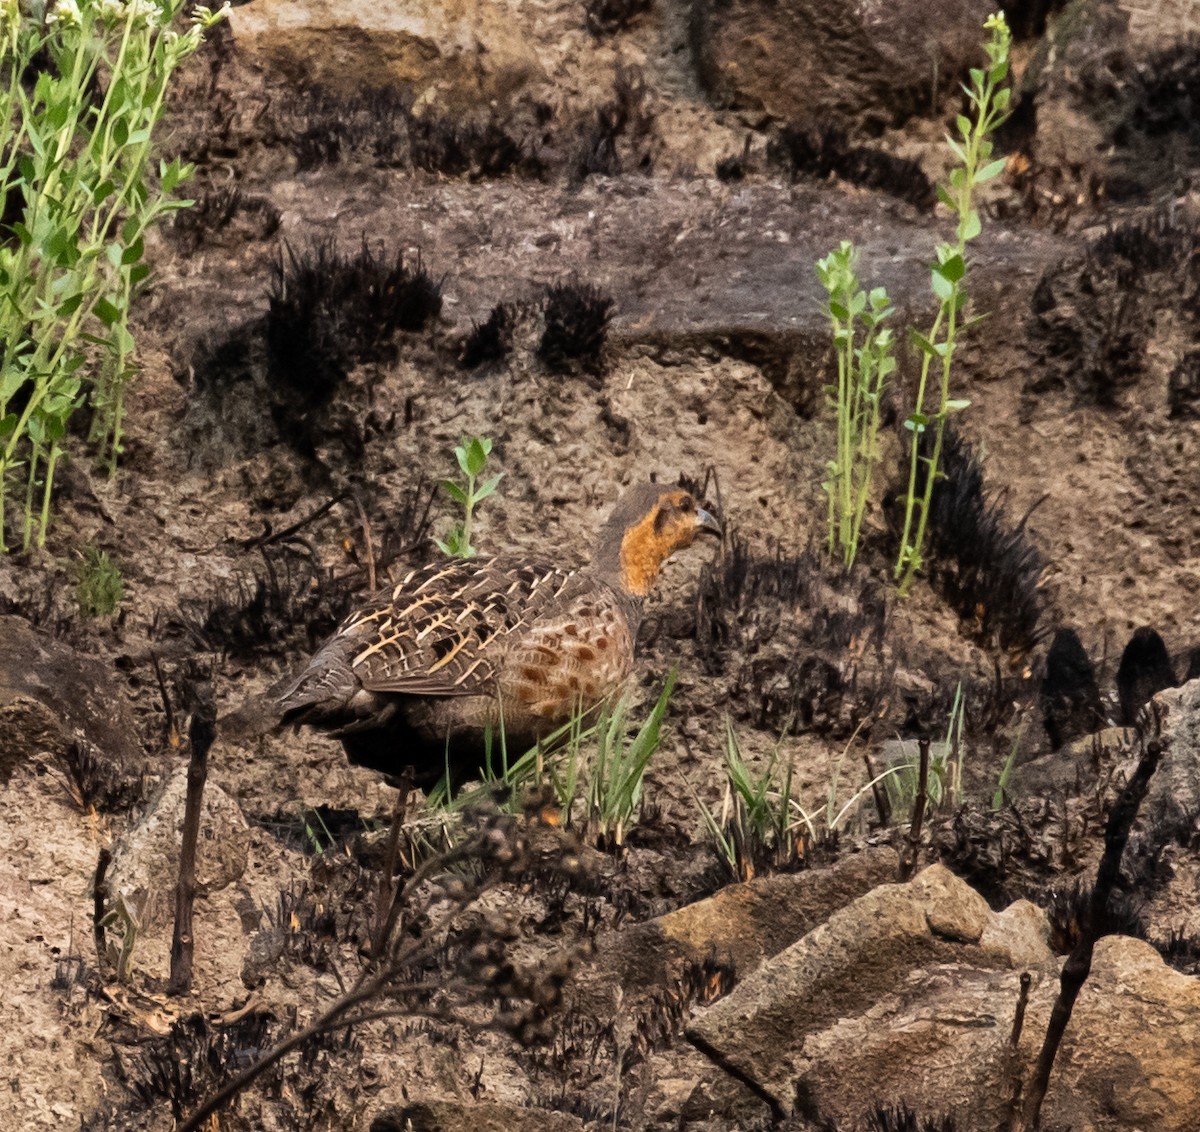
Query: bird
x=419, y=679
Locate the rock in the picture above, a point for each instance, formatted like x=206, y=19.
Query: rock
x=145, y=864
x=52, y=696
x=457, y=53
x=847, y=966
x=1175, y=786
x=871, y=65
x=1107, y=92
x=452, y=1116
x=1130, y=1057
x=741, y=925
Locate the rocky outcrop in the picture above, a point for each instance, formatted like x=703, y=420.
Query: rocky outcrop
x=457, y=54
x=873, y=1005
x=864, y=64
x=739, y=927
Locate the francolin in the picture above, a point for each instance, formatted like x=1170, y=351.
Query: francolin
x=423, y=673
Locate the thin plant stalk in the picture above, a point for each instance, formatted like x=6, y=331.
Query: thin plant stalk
x=989, y=101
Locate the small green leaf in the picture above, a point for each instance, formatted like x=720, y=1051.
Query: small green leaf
x=922, y=343
x=989, y=171
x=953, y=268
x=942, y=287
x=134, y=252
x=107, y=312
x=488, y=487
x=457, y=493
x=971, y=226
x=957, y=405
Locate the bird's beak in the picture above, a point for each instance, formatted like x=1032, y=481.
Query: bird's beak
x=706, y=523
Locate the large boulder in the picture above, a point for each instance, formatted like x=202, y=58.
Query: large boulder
x=455, y=53
x=862, y=63
x=874, y=1005
x=846, y=966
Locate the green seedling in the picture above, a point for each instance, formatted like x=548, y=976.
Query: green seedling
x=472, y=455
x=99, y=588
x=865, y=349
x=989, y=101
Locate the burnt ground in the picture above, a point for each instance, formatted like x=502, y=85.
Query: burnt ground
x=1082, y=420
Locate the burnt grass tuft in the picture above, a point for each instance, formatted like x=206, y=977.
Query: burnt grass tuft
x=618, y=138
x=380, y=128
x=606, y=17
x=987, y=569
x=823, y=671
x=216, y=210
x=901, y=1118
x=97, y=781
x=576, y=327
x=284, y=600
x=329, y=312
x=823, y=151
x=490, y=342
x=1069, y=697
x=1067, y=907
x=1144, y=671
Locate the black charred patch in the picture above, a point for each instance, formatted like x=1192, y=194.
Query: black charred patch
x=617, y=139
x=1141, y=247
x=901, y=1118
x=270, y=608
x=379, y=127
x=1027, y=18
x=1144, y=671
x=730, y=169
x=821, y=152
x=1090, y=325
x=1070, y=695
x=96, y=781
x=224, y=211
x=1008, y=854
x=799, y=647
x=576, y=327
x=489, y=342
x=606, y=17
x=182, y=1067
x=328, y=312
x=1166, y=94
x=985, y=567
x=1067, y=909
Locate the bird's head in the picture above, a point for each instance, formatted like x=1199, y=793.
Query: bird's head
x=649, y=523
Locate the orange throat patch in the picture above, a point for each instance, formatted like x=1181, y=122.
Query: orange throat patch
x=643, y=551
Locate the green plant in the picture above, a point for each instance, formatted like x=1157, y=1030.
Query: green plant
x=944, y=783
x=758, y=822
x=593, y=750
x=863, y=367
x=75, y=145
x=616, y=770
x=472, y=455
x=99, y=588
x=989, y=102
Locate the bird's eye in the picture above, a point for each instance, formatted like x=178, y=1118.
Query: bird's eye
x=687, y=503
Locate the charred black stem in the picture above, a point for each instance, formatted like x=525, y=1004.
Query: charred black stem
x=882, y=806
x=1079, y=963
x=287, y=532
x=200, y=738
x=908, y=860
x=1019, y=1017
x=388, y=906
x=99, y=901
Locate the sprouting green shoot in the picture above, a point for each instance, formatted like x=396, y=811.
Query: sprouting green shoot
x=989, y=100
x=865, y=348
x=472, y=455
